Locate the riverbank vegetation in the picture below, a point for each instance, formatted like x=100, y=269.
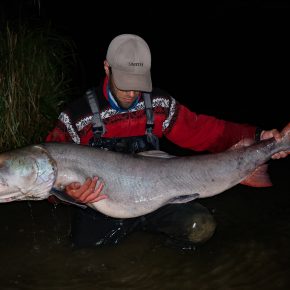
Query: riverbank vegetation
x=35, y=81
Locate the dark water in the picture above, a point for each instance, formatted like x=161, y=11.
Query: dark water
x=250, y=249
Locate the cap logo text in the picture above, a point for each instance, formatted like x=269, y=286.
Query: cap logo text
x=135, y=63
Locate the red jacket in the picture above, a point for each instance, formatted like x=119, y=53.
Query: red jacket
x=177, y=123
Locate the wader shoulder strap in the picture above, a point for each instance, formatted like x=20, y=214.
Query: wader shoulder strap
x=98, y=125
x=150, y=121
x=148, y=110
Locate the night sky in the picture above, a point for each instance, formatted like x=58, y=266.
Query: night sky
x=226, y=58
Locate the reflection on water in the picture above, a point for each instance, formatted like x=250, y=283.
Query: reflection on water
x=250, y=249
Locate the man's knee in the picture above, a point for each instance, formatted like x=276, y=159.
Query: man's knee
x=190, y=222
x=201, y=228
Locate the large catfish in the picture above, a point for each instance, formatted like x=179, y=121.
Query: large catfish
x=135, y=184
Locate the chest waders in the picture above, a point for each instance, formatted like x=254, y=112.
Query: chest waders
x=132, y=144
x=184, y=225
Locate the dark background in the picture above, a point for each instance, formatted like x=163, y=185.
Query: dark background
x=226, y=58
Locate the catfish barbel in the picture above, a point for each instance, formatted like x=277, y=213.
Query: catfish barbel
x=135, y=184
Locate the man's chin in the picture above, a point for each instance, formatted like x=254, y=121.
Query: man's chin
x=125, y=105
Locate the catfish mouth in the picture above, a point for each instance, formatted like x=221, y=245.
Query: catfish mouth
x=8, y=193
x=17, y=173
x=3, y=183
x=26, y=174
x=12, y=186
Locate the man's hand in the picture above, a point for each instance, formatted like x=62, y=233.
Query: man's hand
x=87, y=192
x=274, y=133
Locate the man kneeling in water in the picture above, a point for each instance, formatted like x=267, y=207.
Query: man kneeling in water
x=125, y=114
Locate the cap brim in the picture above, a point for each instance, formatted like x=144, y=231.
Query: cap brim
x=132, y=82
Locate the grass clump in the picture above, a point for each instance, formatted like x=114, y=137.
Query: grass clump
x=35, y=81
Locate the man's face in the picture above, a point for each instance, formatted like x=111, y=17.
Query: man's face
x=124, y=98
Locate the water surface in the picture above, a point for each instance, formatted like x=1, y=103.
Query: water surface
x=250, y=249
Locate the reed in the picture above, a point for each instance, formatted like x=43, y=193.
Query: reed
x=35, y=81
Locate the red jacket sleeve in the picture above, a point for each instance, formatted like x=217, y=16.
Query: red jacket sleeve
x=58, y=134
x=206, y=133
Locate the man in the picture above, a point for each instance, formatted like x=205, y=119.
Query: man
x=126, y=115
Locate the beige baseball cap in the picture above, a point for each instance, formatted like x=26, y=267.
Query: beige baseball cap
x=130, y=59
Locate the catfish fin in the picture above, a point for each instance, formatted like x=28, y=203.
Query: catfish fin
x=245, y=142
x=155, y=154
x=63, y=196
x=258, y=178
x=184, y=198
